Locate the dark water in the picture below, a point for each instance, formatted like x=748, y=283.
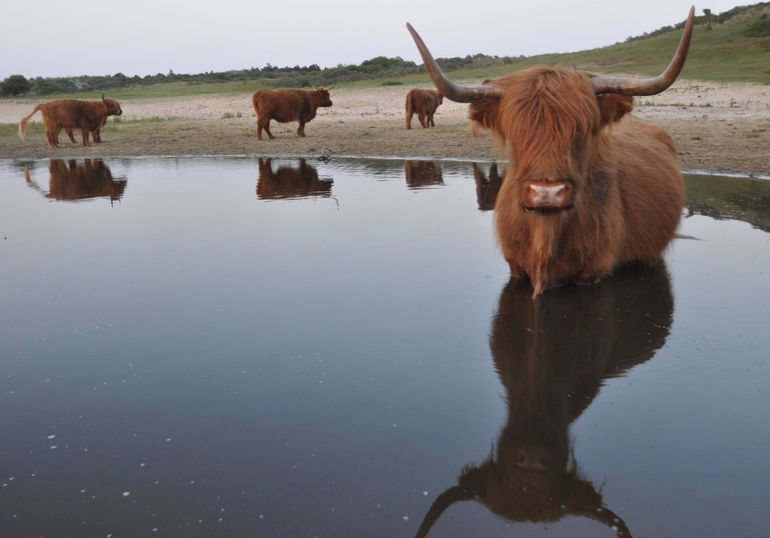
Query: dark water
x=236, y=347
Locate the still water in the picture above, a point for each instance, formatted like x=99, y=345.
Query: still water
x=241, y=347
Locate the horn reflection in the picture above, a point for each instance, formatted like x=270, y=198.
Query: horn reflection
x=287, y=182
x=487, y=187
x=71, y=181
x=552, y=356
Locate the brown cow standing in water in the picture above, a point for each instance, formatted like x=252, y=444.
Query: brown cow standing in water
x=552, y=357
x=287, y=105
x=71, y=114
x=423, y=103
x=290, y=181
x=72, y=182
x=589, y=187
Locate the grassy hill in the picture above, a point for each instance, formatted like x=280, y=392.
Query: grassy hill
x=732, y=46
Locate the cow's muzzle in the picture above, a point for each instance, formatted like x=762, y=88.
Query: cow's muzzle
x=548, y=196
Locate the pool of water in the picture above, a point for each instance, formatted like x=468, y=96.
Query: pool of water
x=241, y=347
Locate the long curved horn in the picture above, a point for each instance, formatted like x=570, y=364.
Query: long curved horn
x=452, y=91
x=653, y=85
x=609, y=518
x=445, y=500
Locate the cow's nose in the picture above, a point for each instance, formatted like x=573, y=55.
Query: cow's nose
x=557, y=194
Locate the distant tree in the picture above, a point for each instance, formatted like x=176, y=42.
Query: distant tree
x=15, y=85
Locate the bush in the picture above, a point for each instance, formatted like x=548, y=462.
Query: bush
x=15, y=85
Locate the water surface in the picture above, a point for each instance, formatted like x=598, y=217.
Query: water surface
x=275, y=347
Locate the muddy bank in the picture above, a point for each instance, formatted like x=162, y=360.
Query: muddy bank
x=718, y=127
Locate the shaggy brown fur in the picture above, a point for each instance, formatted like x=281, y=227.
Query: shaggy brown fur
x=287, y=105
x=423, y=103
x=628, y=190
x=552, y=356
x=291, y=182
x=71, y=114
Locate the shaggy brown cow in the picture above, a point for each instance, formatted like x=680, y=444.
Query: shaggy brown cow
x=421, y=174
x=287, y=105
x=552, y=356
x=423, y=103
x=72, y=182
x=290, y=182
x=70, y=114
x=589, y=187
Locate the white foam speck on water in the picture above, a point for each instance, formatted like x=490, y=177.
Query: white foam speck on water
x=405, y=518
x=126, y=493
x=52, y=436
x=424, y=493
x=54, y=447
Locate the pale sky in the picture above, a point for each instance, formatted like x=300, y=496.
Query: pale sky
x=141, y=37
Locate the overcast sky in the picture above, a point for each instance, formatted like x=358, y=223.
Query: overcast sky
x=141, y=37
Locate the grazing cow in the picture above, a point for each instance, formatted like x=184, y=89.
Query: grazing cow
x=589, y=188
x=72, y=182
x=70, y=114
x=552, y=357
x=421, y=174
x=423, y=103
x=287, y=105
x=290, y=182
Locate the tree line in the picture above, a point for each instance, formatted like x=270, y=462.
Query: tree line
x=380, y=67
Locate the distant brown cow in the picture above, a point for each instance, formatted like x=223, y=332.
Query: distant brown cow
x=552, y=357
x=72, y=182
x=423, y=103
x=287, y=105
x=589, y=187
x=290, y=182
x=70, y=114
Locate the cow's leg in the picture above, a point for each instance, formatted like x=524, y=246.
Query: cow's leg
x=50, y=137
x=264, y=124
x=423, y=122
x=84, y=133
x=409, y=120
x=69, y=133
x=301, y=129
x=97, y=136
x=430, y=120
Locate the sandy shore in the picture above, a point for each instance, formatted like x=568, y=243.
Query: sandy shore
x=718, y=127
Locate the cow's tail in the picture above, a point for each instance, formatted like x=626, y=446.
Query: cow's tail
x=409, y=110
x=23, y=123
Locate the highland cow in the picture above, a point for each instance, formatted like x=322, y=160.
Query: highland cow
x=71, y=114
x=423, y=103
x=589, y=188
x=287, y=105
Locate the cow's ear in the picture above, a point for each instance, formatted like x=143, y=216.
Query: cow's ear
x=614, y=106
x=486, y=113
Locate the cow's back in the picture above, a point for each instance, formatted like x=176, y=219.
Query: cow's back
x=280, y=105
x=651, y=187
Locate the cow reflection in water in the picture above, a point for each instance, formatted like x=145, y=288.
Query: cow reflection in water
x=487, y=187
x=552, y=356
x=421, y=174
x=290, y=181
x=71, y=181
